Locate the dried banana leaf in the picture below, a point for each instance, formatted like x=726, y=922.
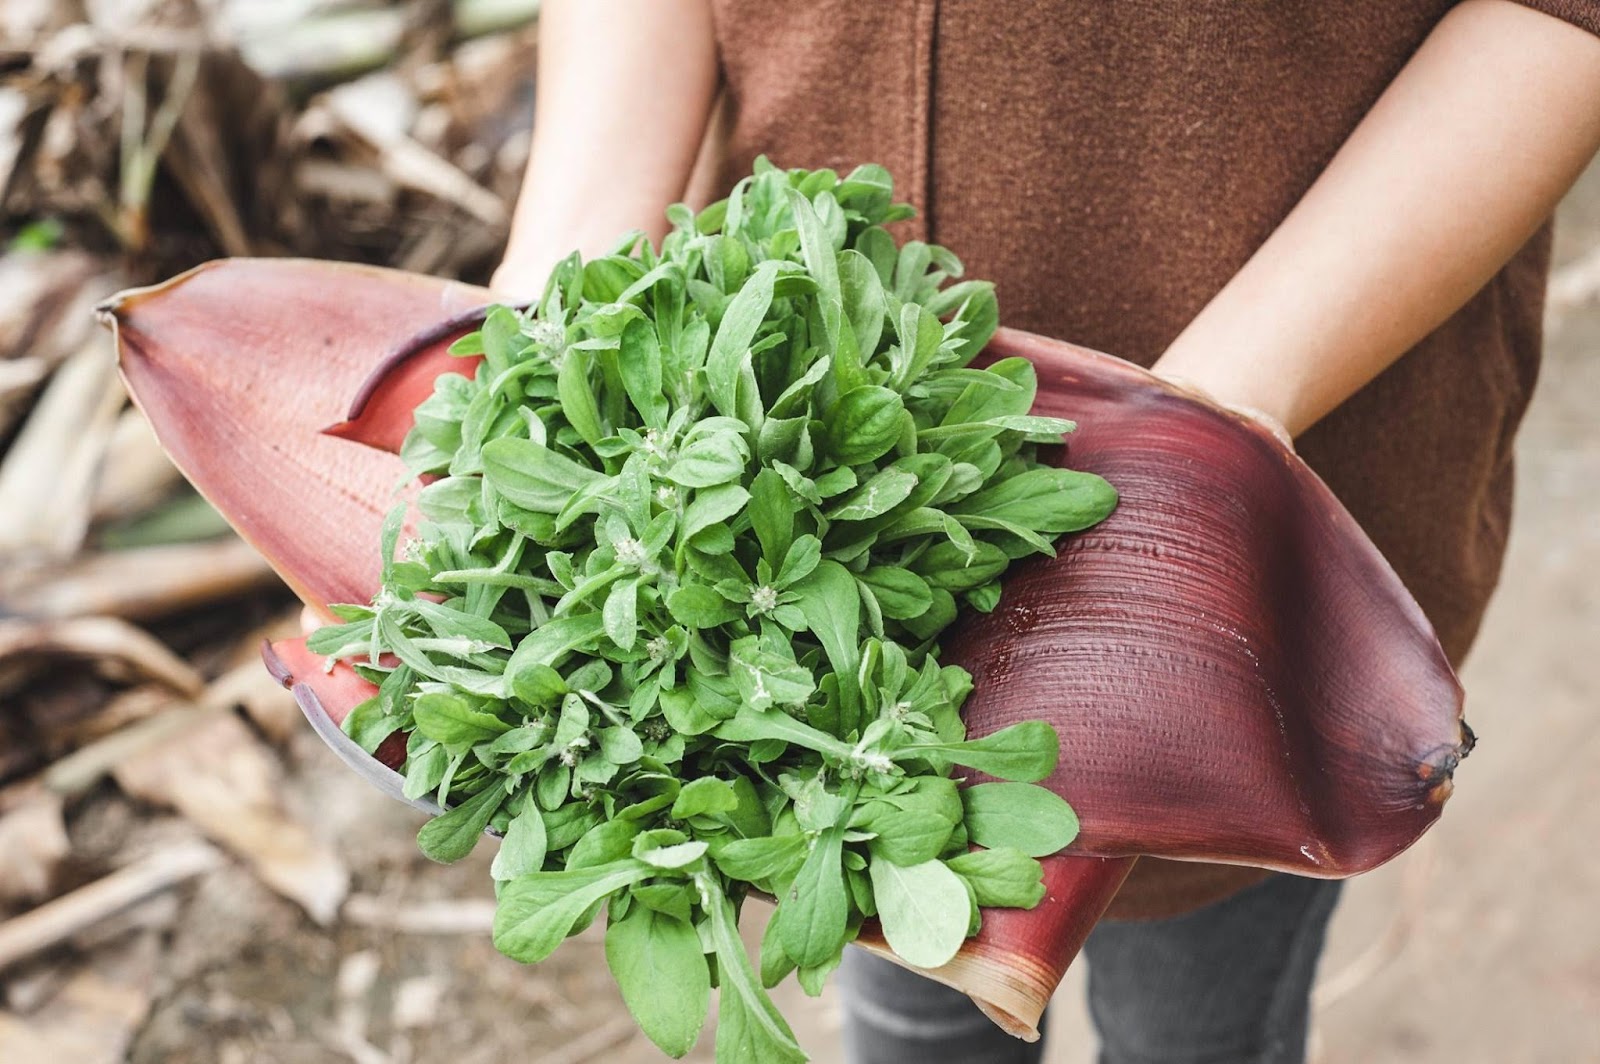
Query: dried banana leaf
x=1236, y=673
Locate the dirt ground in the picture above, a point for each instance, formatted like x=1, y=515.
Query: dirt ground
x=1480, y=946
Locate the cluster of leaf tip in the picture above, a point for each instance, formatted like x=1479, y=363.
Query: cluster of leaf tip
x=668, y=621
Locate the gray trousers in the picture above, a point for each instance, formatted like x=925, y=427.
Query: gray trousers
x=1227, y=984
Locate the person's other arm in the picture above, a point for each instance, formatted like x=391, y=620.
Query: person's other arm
x=624, y=89
x=1454, y=169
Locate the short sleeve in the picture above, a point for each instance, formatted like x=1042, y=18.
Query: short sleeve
x=1584, y=14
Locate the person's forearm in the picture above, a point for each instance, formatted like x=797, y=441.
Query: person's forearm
x=624, y=89
x=1457, y=165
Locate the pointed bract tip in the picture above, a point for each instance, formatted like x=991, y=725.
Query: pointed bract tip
x=105, y=311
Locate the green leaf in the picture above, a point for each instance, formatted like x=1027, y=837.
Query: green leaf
x=830, y=602
x=577, y=397
x=620, y=745
x=665, y=982
x=621, y=613
x=775, y=964
x=523, y=849
x=551, y=788
x=673, y=899
x=864, y=425
x=955, y=566
x=771, y=514
x=812, y=913
x=537, y=685
x=875, y=497
x=603, y=844
x=452, y=835
x=703, y=796
x=1002, y=877
x=765, y=676
x=341, y=640
x=749, y=1027
x=910, y=836
x=676, y=856
x=1046, y=500
x=901, y=594
x=753, y=725
x=1025, y=752
x=640, y=363
x=977, y=314
x=369, y=725
x=536, y=913
x=454, y=622
x=697, y=606
x=760, y=859
x=501, y=338
x=425, y=771
x=713, y=506
x=799, y=561
x=822, y=264
x=534, y=477
x=449, y=718
x=1020, y=816
x=1005, y=387
x=920, y=335
x=864, y=301
x=749, y=819
x=813, y=978
x=984, y=599
x=731, y=348
x=924, y=910
x=716, y=457
x=549, y=643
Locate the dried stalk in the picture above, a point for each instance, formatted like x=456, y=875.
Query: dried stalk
x=359, y=107
x=221, y=778
x=148, y=716
x=136, y=473
x=122, y=710
x=47, y=477
x=33, y=842
x=344, y=44
x=117, y=649
x=55, y=921
x=80, y=770
x=142, y=147
x=18, y=378
x=137, y=584
x=43, y=300
x=469, y=917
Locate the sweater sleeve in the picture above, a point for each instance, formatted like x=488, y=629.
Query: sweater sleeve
x=1584, y=14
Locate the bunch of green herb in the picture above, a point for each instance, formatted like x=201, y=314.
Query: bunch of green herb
x=669, y=618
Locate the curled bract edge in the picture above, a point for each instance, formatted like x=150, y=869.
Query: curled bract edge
x=1236, y=673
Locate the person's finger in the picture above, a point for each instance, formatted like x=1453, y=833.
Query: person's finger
x=311, y=619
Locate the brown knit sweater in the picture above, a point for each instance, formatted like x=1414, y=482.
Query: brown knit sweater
x=1111, y=165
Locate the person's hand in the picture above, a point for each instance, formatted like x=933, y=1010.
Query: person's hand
x=522, y=278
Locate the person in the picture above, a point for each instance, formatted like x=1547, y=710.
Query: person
x=1331, y=213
